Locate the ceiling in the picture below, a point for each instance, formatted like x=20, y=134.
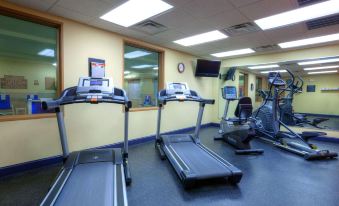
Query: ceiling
x=191, y=17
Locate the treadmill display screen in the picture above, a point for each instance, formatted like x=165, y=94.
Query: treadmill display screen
x=177, y=86
x=95, y=82
x=230, y=92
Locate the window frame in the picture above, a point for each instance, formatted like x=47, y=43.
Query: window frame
x=257, y=97
x=60, y=72
x=160, y=70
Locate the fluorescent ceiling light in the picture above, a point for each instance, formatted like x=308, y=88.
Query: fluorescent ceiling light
x=54, y=64
x=143, y=66
x=264, y=66
x=319, y=61
x=134, y=11
x=155, y=68
x=201, y=38
x=299, y=15
x=136, y=54
x=47, y=53
x=280, y=71
x=127, y=72
x=314, y=40
x=323, y=72
x=318, y=68
x=234, y=52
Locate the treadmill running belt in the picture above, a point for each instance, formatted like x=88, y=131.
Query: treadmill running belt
x=200, y=162
x=89, y=184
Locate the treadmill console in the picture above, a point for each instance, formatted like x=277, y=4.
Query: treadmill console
x=229, y=92
x=95, y=88
x=178, y=89
x=275, y=79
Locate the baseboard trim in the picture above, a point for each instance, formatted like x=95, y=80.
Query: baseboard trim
x=12, y=169
x=320, y=115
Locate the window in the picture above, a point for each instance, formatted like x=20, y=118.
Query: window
x=29, y=68
x=258, y=87
x=142, y=79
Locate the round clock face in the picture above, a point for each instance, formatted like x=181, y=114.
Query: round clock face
x=181, y=67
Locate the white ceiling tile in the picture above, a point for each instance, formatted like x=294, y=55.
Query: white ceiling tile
x=42, y=5
x=170, y=35
x=203, y=8
x=286, y=33
x=226, y=19
x=265, y=8
x=67, y=13
x=181, y=21
x=92, y=8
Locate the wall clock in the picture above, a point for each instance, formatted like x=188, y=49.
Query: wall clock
x=181, y=67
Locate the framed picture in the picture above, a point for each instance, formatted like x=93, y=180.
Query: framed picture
x=96, y=67
x=310, y=88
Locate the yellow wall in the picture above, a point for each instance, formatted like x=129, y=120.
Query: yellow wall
x=95, y=125
x=318, y=102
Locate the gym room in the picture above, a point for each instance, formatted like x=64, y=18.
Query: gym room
x=169, y=102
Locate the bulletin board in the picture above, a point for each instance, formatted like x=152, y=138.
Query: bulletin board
x=50, y=83
x=13, y=82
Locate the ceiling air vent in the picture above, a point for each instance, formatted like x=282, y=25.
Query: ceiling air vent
x=150, y=27
x=242, y=29
x=266, y=48
x=323, y=22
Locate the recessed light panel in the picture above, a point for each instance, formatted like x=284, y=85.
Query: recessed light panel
x=324, y=72
x=280, y=71
x=309, y=41
x=143, y=66
x=264, y=66
x=321, y=61
x=201, y=38
x=233, y=53
x=299, y=15
x=319, y=68
x=47, y=53
x=134, y=11
x=136, y=54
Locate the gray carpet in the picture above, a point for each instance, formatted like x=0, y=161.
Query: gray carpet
x=275, y=178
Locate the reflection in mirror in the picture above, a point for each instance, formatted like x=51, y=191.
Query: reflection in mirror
x=313, y=95
x=141, y=74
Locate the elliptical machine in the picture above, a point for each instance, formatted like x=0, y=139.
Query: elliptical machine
x=267, y=124
x=286, y=108
x=235, y=131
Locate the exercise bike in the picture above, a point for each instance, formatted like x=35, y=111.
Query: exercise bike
x=266, y=124
x=235, y=131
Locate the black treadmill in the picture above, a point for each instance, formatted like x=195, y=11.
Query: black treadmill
x=94, y=176
x=191, y=160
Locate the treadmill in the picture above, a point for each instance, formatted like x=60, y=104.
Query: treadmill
x=191, y=160
x=93, y=176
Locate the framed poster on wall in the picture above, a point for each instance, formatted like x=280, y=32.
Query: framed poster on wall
x=96, y=67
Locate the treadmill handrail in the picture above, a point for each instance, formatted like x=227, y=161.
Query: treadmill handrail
x=72, y=99
x=188, y=98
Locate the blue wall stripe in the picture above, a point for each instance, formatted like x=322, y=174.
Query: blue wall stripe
x=321, y=115
x=57, y=159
